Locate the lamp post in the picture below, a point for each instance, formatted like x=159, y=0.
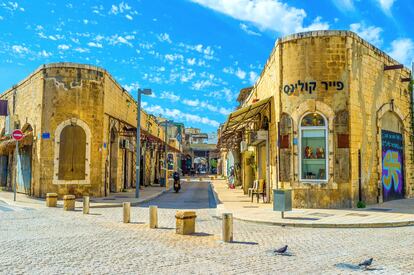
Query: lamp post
x=138, y=149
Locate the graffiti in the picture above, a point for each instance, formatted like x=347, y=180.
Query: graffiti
x=392, y=165
x=311, y=86
x=391, y=171
x=170, y=162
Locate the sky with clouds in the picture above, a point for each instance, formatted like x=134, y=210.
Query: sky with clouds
x=196, y=55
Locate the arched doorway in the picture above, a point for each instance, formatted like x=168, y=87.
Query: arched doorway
x=113, y=160
x=392, y=157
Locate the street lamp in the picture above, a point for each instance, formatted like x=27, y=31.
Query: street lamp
x=138, y=151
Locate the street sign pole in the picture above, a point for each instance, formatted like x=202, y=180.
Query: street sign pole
x=16, y=135
x=15, y=181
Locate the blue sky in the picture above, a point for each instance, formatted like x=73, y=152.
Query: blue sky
x=195, y=54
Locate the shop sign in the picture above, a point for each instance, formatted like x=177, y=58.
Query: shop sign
x=311, y=86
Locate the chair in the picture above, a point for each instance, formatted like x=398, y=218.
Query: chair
x=254, y=188
x=260, y=190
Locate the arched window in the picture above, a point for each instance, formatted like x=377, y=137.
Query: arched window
x=72, y=153
x=313, y=148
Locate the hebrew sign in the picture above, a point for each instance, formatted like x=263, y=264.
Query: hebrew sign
x=312, y=86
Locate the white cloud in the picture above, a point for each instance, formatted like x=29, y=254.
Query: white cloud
x=265, y=14
x=347, y=5
x=191, y=61
x=85, y=21
x=170, y=95
x=82, y=50
x=44, y=53
x=164, y=37
x=1, y=18
x=187, y=77
x=95, y=45
x=117, y=39
x=51, y=37
x=129, y=17
x=253, y=77
x=132, y=87
x=370, y=33
x=173, y=57
x=386, y=5
x=193, y=103
x=179, y=115
x=246, y=29
x=240, y=73
x=20, y=49
x=121, y=8
x=402, y=50
x=225, y=93
x=201, y=84
x=316, y=25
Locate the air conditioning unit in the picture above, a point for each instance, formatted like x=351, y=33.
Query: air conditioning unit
x=258, y=137
x=243, y=146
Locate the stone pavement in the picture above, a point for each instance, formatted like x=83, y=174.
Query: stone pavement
x=390, y=214
x=51, y=241
x=114, y=200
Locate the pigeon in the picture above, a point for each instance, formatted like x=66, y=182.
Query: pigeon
x=281, y=250
x=366, y=263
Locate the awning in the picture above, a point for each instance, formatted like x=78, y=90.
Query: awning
x=240, y=119
x=8, y=144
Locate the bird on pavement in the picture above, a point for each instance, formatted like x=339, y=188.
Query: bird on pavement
x=281, y=250
x=366, y=263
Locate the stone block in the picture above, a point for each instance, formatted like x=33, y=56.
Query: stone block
x=185, y=222
x=69, y=202
x=51, y=199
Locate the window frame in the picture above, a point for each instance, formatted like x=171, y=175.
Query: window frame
x=325, y=128
x=58, y=130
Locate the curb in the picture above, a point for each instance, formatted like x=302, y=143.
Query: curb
x=133, y=203
x=308, y=225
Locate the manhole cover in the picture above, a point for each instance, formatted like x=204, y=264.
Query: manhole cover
x=252, y=206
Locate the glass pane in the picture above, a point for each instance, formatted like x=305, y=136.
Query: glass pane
x=313, y=154
x=313, y=119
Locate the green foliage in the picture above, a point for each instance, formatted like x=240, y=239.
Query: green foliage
x=361, y=204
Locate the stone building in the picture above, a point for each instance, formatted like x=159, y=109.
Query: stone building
x=79, y=126
x=330, y=117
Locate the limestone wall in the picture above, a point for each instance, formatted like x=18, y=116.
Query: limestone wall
x=340, y=76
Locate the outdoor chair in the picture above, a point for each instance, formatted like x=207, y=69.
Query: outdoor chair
x=254, y=188
x=260, y=191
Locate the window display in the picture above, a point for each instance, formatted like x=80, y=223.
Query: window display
x=313, y=147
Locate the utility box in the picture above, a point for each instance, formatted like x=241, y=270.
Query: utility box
x=282, y=200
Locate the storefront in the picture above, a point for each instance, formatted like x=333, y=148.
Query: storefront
x=338, y=113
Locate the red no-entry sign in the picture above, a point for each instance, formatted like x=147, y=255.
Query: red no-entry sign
x=17, y=134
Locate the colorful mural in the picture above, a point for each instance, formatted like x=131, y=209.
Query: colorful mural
x=392, y=166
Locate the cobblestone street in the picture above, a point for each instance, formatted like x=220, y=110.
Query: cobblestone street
x=51, y=241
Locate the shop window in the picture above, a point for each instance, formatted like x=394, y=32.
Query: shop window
x=72, y=153
x=313, y=147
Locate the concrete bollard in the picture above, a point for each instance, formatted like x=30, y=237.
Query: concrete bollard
x=85, y=204
x=69, y=202
x=185, y=222
x=153, y=216
x=51, y=199
x=127, y=212
x=227, y=231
